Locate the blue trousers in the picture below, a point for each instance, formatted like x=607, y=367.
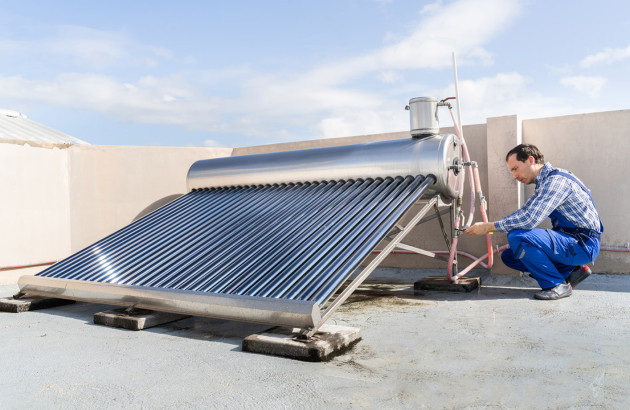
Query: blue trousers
x=549, y=256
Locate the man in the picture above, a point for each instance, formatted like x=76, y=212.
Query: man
x=556, y=258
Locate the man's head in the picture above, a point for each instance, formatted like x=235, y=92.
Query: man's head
x=525, y=162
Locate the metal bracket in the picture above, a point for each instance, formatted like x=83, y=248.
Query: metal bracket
x=19, y=295
x=370, y=267
x=438, y=214
x=130, y=310
x=416, y=250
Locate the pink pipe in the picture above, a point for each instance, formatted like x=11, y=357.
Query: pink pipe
x=460, y=253
x=474, y=184
x=472, y=265
x=479, y=261
x=27, y=266
x=614, y=249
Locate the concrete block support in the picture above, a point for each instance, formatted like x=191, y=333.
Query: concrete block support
x=135, y=319
x=504, y=194
x=28, y=303
x=328, y=342
x=441, y=283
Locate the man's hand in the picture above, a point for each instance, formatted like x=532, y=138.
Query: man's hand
x=481, y=228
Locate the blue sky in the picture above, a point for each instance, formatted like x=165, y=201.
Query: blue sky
x=243, y=73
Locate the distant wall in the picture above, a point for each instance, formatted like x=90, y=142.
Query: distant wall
x=56, y=201
x=34, y=207
x=111, y=186
x=595, y=148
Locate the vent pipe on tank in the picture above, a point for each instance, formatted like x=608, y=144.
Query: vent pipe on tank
x=423, y=117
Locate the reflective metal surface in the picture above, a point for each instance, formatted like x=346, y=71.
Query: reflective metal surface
x=429, y=156
x=288, y=243
x=423, y=117
x=241, y=308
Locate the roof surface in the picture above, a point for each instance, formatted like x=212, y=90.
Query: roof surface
x=492, y=348
x=15, y=127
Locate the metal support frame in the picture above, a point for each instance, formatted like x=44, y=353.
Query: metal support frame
x=395, y=242
x=438, y=213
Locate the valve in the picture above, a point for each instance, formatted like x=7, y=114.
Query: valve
x=456, y=167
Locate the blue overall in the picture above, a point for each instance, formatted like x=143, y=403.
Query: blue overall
x=550, y=255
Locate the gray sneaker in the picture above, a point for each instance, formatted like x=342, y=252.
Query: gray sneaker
x=563, y=290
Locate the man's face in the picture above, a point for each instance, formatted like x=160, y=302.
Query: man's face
x=523, y=171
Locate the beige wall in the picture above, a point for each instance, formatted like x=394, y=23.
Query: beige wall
x=34, y=206
x=595, y=148
x=56, y=201
x=111, y=186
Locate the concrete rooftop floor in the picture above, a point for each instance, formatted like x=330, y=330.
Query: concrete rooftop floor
x=493, y=348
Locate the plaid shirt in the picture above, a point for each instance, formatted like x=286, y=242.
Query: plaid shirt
x=554, y=192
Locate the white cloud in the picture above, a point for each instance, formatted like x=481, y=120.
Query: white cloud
x=431, y=7
x=462, y=26
x=502, y=94
x=84, y=47
x=213, y=144
x=589, y=85
x=321, y=98
x=348, y=123
x=168, y=100
x=609, y=55
x=389, y=77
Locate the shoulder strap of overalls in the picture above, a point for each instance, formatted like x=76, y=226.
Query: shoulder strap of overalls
x=577, y=181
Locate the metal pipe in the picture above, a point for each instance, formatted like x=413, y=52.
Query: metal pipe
x=274, y=247
x=234, y=243
x=164, y=217
x=242, y=308
x=242, y=269
x=30, y=265
x=273, y=271
x=328, y=250
x=383, y=224
x=614, y=249
x=459, y=109
x=215, y=238
x=155, y=244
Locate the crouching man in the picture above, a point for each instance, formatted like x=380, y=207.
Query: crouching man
x=556, y=257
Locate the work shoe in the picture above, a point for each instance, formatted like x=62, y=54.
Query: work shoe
x=578, y=275
x=563, y=290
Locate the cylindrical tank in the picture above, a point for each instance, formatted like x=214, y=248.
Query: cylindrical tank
x=423, y=117
x=429, y=156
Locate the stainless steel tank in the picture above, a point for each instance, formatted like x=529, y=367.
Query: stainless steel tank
x=437, y=155
x=423, y=117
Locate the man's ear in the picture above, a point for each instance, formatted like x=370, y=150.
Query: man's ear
x=531, y=160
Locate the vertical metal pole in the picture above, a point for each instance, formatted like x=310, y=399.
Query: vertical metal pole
x=459, y=109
